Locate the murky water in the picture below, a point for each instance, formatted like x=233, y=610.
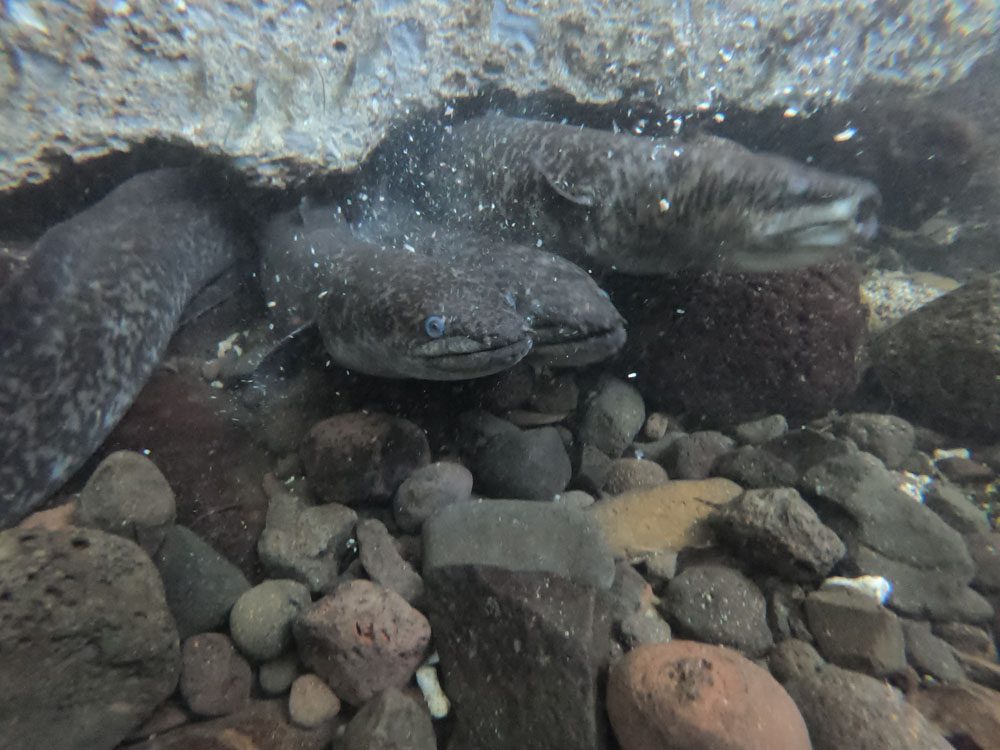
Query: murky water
x=403, y=375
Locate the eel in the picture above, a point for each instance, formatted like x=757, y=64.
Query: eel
x=642, y=205
x=571, y=320
x=86, y=319
x=384, y=310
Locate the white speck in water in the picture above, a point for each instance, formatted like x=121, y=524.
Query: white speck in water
x=632, y=375
x=790, y=112
x=272, y=304
x=147, y=452
x=719, y=117
x=664, y=205
x=21, y=13
x=845, y=135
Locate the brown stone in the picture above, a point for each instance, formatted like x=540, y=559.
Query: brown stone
x=671, y=516
x=964, y=709
x=685, y=695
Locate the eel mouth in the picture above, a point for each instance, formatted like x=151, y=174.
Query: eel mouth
x=459, y=357
x=830, y=223
x=557, y=346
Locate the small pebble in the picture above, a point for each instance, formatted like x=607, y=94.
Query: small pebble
x=261, y=619
x=277, y=675
x=311, y=702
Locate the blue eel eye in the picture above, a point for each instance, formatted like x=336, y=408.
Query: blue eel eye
x=434, y=326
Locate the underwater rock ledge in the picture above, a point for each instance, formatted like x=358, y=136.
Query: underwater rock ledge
x=285, y=90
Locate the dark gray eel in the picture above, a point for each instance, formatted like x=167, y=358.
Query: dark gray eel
x=87, y=318
x=382, y=309
x=571, y=320
x=642, y=205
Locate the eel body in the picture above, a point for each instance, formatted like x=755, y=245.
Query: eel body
x=642, y=205
x=384, y=310
x=87, y=318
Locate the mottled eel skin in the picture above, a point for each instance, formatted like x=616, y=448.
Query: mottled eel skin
x=382, y=309
x=642, y=205
x=84, y=323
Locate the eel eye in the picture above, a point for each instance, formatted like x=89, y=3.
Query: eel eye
x=434, y=326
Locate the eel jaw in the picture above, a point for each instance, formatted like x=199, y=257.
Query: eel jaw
x=556, y=347
x=462, y=357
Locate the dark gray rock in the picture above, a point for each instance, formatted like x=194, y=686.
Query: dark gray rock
x=521, y=655
x=985, y=551
x=87, y=645
x=956, y=508
x=794, y=658
x=692, y=456
x=359, y=457
x=613, y=414
x=201, y=585
x=923, y=593
x=965, y=470
x=930, y=655
x=426, y=490
x=391, y=721
x=776, y=528
x=658, y=424
x=384, y=564
x=626, y=474
x=760, y=430
x=260, y=621
x=305, y=542
x=719, y=605
x=889, y=534
x=640, y=628
x=753, y=466
x=656, y=450
x=555, y=392
x=529, y=465
x=311, y=703
x=215, y=680
x=592, y=468
x=630, y=593
x=854, y=631
x=362, y=639
x=127, y=495
x=845, y=709
x=888, y=437
x=277, y=675
x=519, y=535
x=786, y=614
x=968, y=639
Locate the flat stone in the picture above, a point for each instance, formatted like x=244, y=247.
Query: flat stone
x=521, y=657
x=215, y=679
x=361, y=457
x=692, y=696
x=693, y=456
x=383, y=562
x=260, y=621
x=854, y=631
x=669, y=517
x=956, y=508
x=985, y=551
x=89, y=647
x=965, y=470
x=392, y=720
x=128, y=496
x=362, y=639
x=519, y=535
x=305, y=542
x=719, y=605
x=201, y=585
x=848, y=709
x=760, y=430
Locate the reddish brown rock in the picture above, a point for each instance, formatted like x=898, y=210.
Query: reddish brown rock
x=360, y=457
x=362, y=639
x=215, y=680
x=262, y=725
x=964, y=711
x=685, y=695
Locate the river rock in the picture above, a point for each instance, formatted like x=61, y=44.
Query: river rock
x=362, y=457
x=128, y=496
x=760, y=430
x=941, y=361
x=215, y=679
x=427, y=490
x=311, y=702
x=956, y=508
x=612, y=415
x=719, y=605
x=889, y=437
x=965, y=712
x=260, y=621
x=392, y=720
x=201, y=585
x=692, y=696
x=362, y=639
x=383, y=562
x=692, y=456
x=524, y=464
x=89, y=646
x=930, y=655
x=777, y=529
x=627, y=474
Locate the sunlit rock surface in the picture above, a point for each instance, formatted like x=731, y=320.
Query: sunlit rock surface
x=287, y=88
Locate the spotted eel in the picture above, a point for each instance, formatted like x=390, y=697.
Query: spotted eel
x=642, y=205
